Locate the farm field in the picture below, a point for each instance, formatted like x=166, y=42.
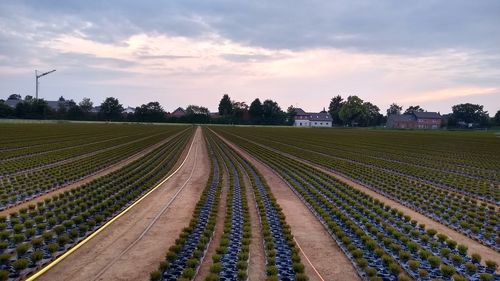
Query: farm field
x=30, y=168
x=144, y=202
x=396, y=243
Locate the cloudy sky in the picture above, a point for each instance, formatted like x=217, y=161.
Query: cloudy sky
x=432, y=53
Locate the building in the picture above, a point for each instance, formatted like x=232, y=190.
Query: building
x=179, y=112
x=128, y=110
x=416, y=120
x=305, y=119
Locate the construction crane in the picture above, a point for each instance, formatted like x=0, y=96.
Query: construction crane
x=38, y=76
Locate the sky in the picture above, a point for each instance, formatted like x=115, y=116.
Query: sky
x=430, y=53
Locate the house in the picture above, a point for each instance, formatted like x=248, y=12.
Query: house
x=179, y=112
x=95, y=109
x=428, y=120
x=128, y=110
x=305, y=119
x=416, y=120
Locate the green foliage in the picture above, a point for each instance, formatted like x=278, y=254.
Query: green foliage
x=155, y=275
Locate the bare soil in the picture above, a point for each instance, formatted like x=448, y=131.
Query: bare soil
x=204, y=269
x=105, y=258
x=474, y=246
x=106, y=171
x=325, y=255
x=257, y=260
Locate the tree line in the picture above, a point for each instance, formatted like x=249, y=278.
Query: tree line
x=352, y=111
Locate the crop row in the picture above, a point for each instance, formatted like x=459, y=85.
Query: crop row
x=22, y=139
x=482, y=183
x=33, y=236
x=381, y=241
x=20, y=188
x=62, y=145
x=45, y=160
x=231, y=259
x=417, y=151
x=464, y=214
x=184, y=258
x=282, y=255
x=480, y=188
x=77, y=135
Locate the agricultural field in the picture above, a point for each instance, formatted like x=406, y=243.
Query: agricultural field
x=163, y=202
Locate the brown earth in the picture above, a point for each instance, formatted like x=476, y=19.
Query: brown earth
x=135, y=244
x=474, y=246
x=257, y=260
x=106, y=171
x=324, y=254
x=204, y=269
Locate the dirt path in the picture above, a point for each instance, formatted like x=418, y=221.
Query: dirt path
x=257, y=259
x=105, y=257
x=474, y=246
x=219, y=228
x=320, y=248
x=106, y=171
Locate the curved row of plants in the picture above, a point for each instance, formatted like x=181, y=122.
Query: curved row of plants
x=36, y=235
x=480, y=188
x=230, y=262
x=462, y=213
x=28, y=139
x=183, y=259
x=380, y=240
x=23, y=187
x=456, y=178
x=45, y=160
x=61, y=146
x=22, y=138
x=419, y=151
x=282, y=254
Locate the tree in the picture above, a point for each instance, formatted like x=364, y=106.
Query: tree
x=256, y=112
x=240, y=112
x=32, y=109
x=394, y=109
x=496, y=119
x=225, y=106
x=15, y=97
x=197, y=114
x=272, y=113
x=75, y=112
x=86, y=105
x=62, y=109
x=334, y=108
x=6, y=111
x=151, y=112
x=111, y=109
x=28, y=97
x=290, y=115
x=469, y=114
x=414, y=108
x=373, y=116
x=353, y=112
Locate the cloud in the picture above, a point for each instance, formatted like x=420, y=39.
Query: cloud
x=294, y=51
